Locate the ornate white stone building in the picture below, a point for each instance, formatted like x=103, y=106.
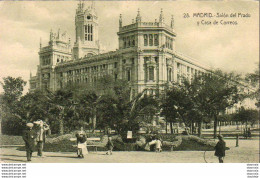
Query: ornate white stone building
x=146, y=56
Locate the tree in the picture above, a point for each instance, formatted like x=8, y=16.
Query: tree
x=253, y=80
x=11, y=122
x=217, y=92
x=247, y=116
x=144, y=113
x=13, y=90
x=61, y=103
x=175, y=105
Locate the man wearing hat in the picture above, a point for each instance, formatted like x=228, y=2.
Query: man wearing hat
x=220, y=149
x=40, y=128
x=29, y=138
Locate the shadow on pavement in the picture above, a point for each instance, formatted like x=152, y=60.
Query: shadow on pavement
x=9, y=159
x=63, y=157
x=11, y=155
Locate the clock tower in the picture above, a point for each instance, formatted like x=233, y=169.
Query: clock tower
x=86, y=28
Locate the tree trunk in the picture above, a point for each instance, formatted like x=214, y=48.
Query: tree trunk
x=94, y=120
x=192, y=127
x=219, y=130
x=166, y=127
x=171, y=128
x=61, y=126
x=199, y=128
x=215, y=126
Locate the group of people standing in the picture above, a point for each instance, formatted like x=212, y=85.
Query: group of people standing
x=35, y=135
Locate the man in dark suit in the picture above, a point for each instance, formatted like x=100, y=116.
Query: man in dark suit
x=220, y=149
x=29, y=139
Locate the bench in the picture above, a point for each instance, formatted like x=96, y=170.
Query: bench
x=94, y=139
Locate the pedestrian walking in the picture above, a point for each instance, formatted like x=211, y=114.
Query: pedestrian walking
x=220, y=149
x=29, y=139
x=110, y=146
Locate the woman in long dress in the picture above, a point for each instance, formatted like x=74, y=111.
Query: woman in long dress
x=81, y=144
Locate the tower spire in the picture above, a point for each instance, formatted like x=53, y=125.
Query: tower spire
x=120, y=21
x=161, y=19
x=51, y=35
x=172, y=21
x=40, y=43
x=138, y=17
x=93, y=5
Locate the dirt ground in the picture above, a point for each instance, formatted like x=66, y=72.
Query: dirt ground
x=247, y=152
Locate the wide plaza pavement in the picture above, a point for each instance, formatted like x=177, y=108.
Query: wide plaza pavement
x=247, y=152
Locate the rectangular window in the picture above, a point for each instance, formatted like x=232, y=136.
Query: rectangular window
x=145, y=40
x=150, y=40
x=133, y=40
x=129, y=41
x=169, y=74
x=124, y=40
x=115, y=76
x=133, y=60
x=128, y=75
x=178, y=67
x=151, y=73
x=156, y=42
x=115, y=65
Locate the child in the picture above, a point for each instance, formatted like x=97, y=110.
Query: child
x=82, y=144
x=158, y=145
x=110, y=146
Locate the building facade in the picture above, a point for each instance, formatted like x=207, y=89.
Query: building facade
x=146, y=56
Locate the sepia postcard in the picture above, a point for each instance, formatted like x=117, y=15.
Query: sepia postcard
x=129, y=82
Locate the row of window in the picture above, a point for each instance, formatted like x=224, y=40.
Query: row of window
x=129, y=41
x=62, y=58
x=189, y=70
x=88, y=32
x=46, y=61
x=168, y=42
x=87, y=69
x=151, y=40
x=47, y=75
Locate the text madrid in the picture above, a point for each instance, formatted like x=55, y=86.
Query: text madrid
x=221, y=15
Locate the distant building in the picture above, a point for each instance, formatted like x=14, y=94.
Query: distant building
x=146, y=56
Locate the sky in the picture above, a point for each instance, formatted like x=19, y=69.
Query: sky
x=227, y=47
